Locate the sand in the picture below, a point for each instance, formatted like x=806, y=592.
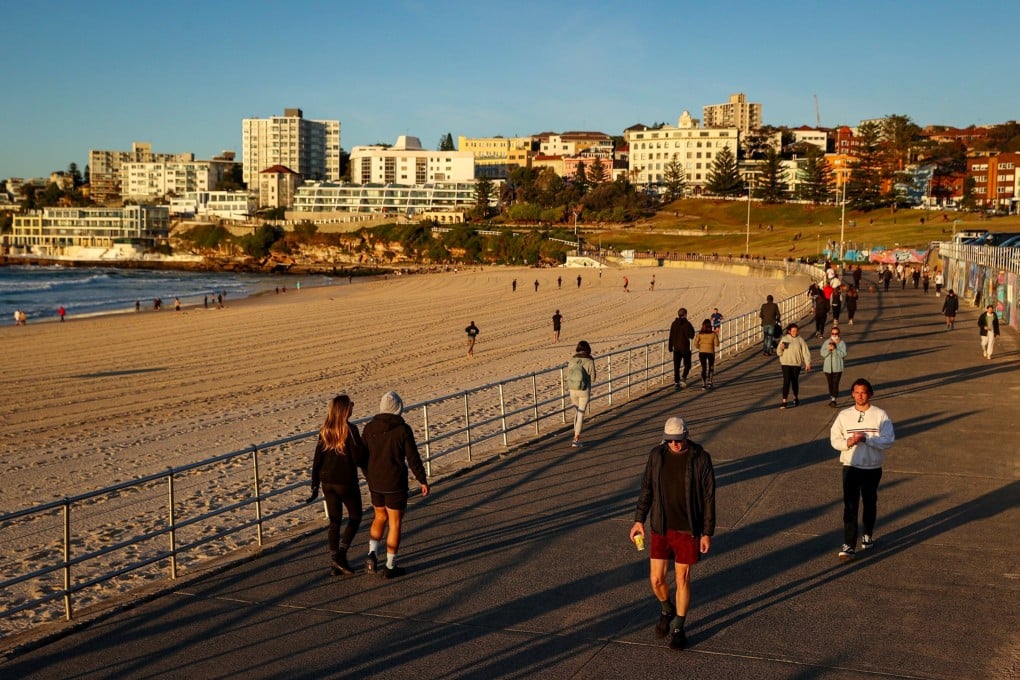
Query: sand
x=97, y=401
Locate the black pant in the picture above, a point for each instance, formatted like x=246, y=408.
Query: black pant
x=833, y=381
x=791, y=378
x=851, y=309
x=858, y=484
x=820, y=323
x=350, y=497
x=707, y=361
x=678, y=358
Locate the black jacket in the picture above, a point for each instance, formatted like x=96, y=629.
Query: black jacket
x=983, y=324
x=334, y=467
x=700, y=491
x=391, y=451
x=681, y=332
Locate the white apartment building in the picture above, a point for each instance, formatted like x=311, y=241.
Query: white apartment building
x=406, y=162
x=806, y=135
x=152, y=180
x=326, y=197
x=309, y=147
x=573, y=143
x=105, y=177
x=51, y=231
x=738, y=113
x=695, y=147
x=236, y=205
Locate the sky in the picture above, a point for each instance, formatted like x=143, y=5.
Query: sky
x=183, y=74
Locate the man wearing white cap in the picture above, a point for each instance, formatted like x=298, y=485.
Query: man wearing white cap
x=391, y=452
x=678, y=492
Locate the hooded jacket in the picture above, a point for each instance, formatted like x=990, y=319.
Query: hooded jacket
x=681, y=332
x=700, y=491
x=391, y=451
x=336, y=467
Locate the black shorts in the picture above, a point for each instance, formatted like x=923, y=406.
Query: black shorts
x=393, y=501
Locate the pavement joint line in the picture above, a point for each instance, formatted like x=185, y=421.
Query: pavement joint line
x=807, y=664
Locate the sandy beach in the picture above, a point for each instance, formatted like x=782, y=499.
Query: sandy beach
x=97, y=401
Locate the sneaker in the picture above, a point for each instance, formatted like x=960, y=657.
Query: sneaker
x=683, y=384
x=710, y=385
x=662, y=627
x=796, y=401
x=867, y=542
x=576, y=444
x=339, y=563
x=846, y=553
x=678, y=640
x=832, y=403
x=392, y=572
x=704, y=387
x=371, y=564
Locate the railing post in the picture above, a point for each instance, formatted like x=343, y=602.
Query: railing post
x=648, y=350
x=563, y=398
x=258, y=499
x=173, y=523
x=534, y=398
x=502, y=414
x=428, y=441
x=467, y=424
x=630, y=372
x=67, y=560
x=609, y=370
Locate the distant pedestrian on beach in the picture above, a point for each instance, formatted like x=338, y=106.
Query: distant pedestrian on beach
x=578, y=280
x=61, y=312
x=707, y=344
x=205, y=298
x=338, y=455
x=138, y=305
x=392, y=452
x=557, y=320
x=677, y=499
x=580, y=378
x=626, y=285
x=513, y=285
x=833, y=358
x=861, y=434
x=716, y=317
x=536, y=285
x=472, y=333
x=988, y=325
x=219, y=298
x=651, y=286
x=793, y=354
x=559, y=281
x=177, y=304
x=950, y=307
x=681, y=332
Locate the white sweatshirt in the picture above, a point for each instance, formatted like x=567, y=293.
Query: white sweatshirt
x=874, y=423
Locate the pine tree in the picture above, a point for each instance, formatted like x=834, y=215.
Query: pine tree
x=815, y=185
x=772, y=184
x=723, y=177
x=674, y=180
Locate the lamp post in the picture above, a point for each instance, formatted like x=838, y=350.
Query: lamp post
x=747, y=241
x=842, y=220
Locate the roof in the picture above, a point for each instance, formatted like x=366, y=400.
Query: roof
x=279, y=170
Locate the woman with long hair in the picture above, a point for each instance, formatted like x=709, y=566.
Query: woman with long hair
x=580, y=377
x=793, y=353
x=338, y=455
x=707, y=344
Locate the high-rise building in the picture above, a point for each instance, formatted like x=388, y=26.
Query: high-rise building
x=406, y=162
x=105, y=177
x=309, y=147
x=738, y=113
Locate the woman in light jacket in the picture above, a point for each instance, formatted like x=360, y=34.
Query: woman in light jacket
x=707, y=344
x=833, y=355
x=580, y=377
x=793, y=353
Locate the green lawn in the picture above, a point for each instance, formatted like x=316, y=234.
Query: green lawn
x=722, y=228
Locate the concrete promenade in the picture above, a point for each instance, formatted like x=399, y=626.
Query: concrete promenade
x=521, y=568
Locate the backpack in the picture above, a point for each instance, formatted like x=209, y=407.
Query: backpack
x=577, y=376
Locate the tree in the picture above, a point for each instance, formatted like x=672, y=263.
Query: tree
x=863, y=190
x=483, y=192
x=596, y=173
x=723, y=177
x=674, y=180
x=446, y=142
x=815, y=185
x=581, y=179
x=967, y=200
x=75, y=174
x=772, y=184
x=899, y=134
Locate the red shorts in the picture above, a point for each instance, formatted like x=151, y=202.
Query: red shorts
x=681, y=546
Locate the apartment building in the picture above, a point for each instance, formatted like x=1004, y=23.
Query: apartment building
x=105, y=168
x=309, y=147
x=319, y=198
x=53, y=231
x=573, y=143
x=737, y=113
x=813, y=136
x=496, y=157
x=406, y=162
x=153, y=180
x=996, y=181
x=277, y=186
x=695, y=147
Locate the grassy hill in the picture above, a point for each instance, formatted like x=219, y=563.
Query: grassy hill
x=716, y=226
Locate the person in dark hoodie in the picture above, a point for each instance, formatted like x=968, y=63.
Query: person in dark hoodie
x=338, y=455
x=681, y=332
x=391, y=452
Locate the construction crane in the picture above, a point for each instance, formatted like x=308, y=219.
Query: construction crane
x=818, y=116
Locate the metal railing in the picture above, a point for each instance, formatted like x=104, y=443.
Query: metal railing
x=151, y=527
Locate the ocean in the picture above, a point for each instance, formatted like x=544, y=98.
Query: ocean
x=40, y=291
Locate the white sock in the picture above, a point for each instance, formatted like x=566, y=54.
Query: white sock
x=391, y=560
x=373, y=546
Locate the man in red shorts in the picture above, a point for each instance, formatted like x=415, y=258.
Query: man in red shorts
x=678, y=491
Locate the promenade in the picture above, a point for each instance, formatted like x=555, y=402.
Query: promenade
x=521, y=567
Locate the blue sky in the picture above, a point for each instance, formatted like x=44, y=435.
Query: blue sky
x=182, y=75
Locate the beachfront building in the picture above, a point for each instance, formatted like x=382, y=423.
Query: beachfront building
x=996, y=181
x=736, y=113
x=277, y=186
x=693, y=146
x=309, y=147
x=54, y=232
x=407, y=163
x=229, y=205
x=496, y=157
x=318, y=200
x=155, y=180
x=105, y=168
x=805, y=135
x=574, y=142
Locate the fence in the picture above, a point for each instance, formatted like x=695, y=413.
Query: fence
x=143, y=530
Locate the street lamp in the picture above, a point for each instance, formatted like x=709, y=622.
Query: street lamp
x=747, y=242
x=842, y=220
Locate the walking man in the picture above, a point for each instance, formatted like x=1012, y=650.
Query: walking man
x=391, y=452
x=677, y=498
x=557, y=320
x=472, y=333
x=861, y=434
x=950, y=307
x=988, y=323
x=770, y=320
x=681, y=332
x=578, y=280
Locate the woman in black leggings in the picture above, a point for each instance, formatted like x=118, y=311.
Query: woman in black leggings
x=338, y=455
x=793, y=353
